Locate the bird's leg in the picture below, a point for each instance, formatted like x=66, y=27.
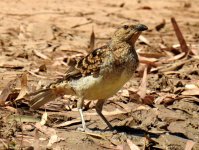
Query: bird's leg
x=80, y=105
x=98, y=107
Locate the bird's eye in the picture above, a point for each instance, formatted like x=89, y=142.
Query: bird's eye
x=126, y=27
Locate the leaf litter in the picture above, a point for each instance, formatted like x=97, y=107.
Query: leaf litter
x=157, y=109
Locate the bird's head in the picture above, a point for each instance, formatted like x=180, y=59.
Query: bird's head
x=128, y=33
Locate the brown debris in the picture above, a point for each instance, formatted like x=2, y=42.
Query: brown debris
x=157, y=109
x=161, y=25
x=180, y=37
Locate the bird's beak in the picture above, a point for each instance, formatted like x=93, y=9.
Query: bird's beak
x=138, y=30
x=141, y=27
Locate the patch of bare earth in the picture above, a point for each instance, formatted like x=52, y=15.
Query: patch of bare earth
x=157, y=109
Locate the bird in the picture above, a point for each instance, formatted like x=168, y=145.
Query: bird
x=97, y=76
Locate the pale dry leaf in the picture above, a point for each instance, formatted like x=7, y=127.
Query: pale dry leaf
x=38, y=76
x=68, y=123
x=120, y=147
x=36, y=140
x=195, y=49
x=132, y=145
x=39, y=54
x=24, y=86
x=108, y=113
x=191, y=92
x=11, y=109
x=44, y=118
x=173, y=58
x=44, y=129
x=148, y=61
x=143, y=86
x=172, y=67
x=95, y=135
x=6, y=92
x=4, y=144
x=144, y=40
x=152, y=55
x=53, y=139
x=162, y=98
x=190, y=86
x=189, y=145
x=144, y=107
x=124, y=93
x=176, y=46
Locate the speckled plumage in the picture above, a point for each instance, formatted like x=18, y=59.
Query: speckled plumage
x=100, y=74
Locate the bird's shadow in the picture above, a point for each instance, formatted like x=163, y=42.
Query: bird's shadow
x=137, y=132
x=127, y=130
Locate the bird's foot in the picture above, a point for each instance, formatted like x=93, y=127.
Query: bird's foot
x=84, y=129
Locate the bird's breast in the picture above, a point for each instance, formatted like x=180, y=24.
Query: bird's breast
x=103, y=86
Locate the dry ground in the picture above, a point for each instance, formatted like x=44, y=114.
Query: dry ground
x=39, y=37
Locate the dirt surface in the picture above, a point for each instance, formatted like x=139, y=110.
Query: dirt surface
x=157, y=109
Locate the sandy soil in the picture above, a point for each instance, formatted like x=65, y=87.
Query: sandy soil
x=39, y=37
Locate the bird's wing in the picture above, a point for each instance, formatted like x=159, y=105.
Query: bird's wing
x=88, y=65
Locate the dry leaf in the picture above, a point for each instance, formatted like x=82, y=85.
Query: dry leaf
x=95, y=135
x=36, y=140
x=180, y=37
x=189, y=145
x=132, y=146
x=92, y=41
x=191, y=92
x=24, y=86
x=108, y=113
x=68, y=123
x=143, y=86
x=44, y=118
x=53, y=139
x=39, y=54
x=5, y=93
x=161, y=25
x=144, y=40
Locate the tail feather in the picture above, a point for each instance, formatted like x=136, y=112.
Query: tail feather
x=42, y=97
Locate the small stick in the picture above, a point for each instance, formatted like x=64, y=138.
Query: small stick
x=180, y=37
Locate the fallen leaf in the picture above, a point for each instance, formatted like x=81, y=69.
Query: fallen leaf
x=95, y=135
x=5, y=93
x=24, y=86
x=144, y=40
x=53, y=139
x=143, y=86
x=44, y=118
x=189, y=145
x=39, y=54
x=36, y=140
x=180, y=37
x=161, y=25
x=132, y=145
x=68, y=123
x=92, y=41
x=191, y=92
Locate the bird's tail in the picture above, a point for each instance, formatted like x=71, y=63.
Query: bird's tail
x=41, y=97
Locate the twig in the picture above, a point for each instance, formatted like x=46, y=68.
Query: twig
x=180, y=37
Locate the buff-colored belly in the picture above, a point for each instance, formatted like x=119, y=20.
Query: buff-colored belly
x=100, y=88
